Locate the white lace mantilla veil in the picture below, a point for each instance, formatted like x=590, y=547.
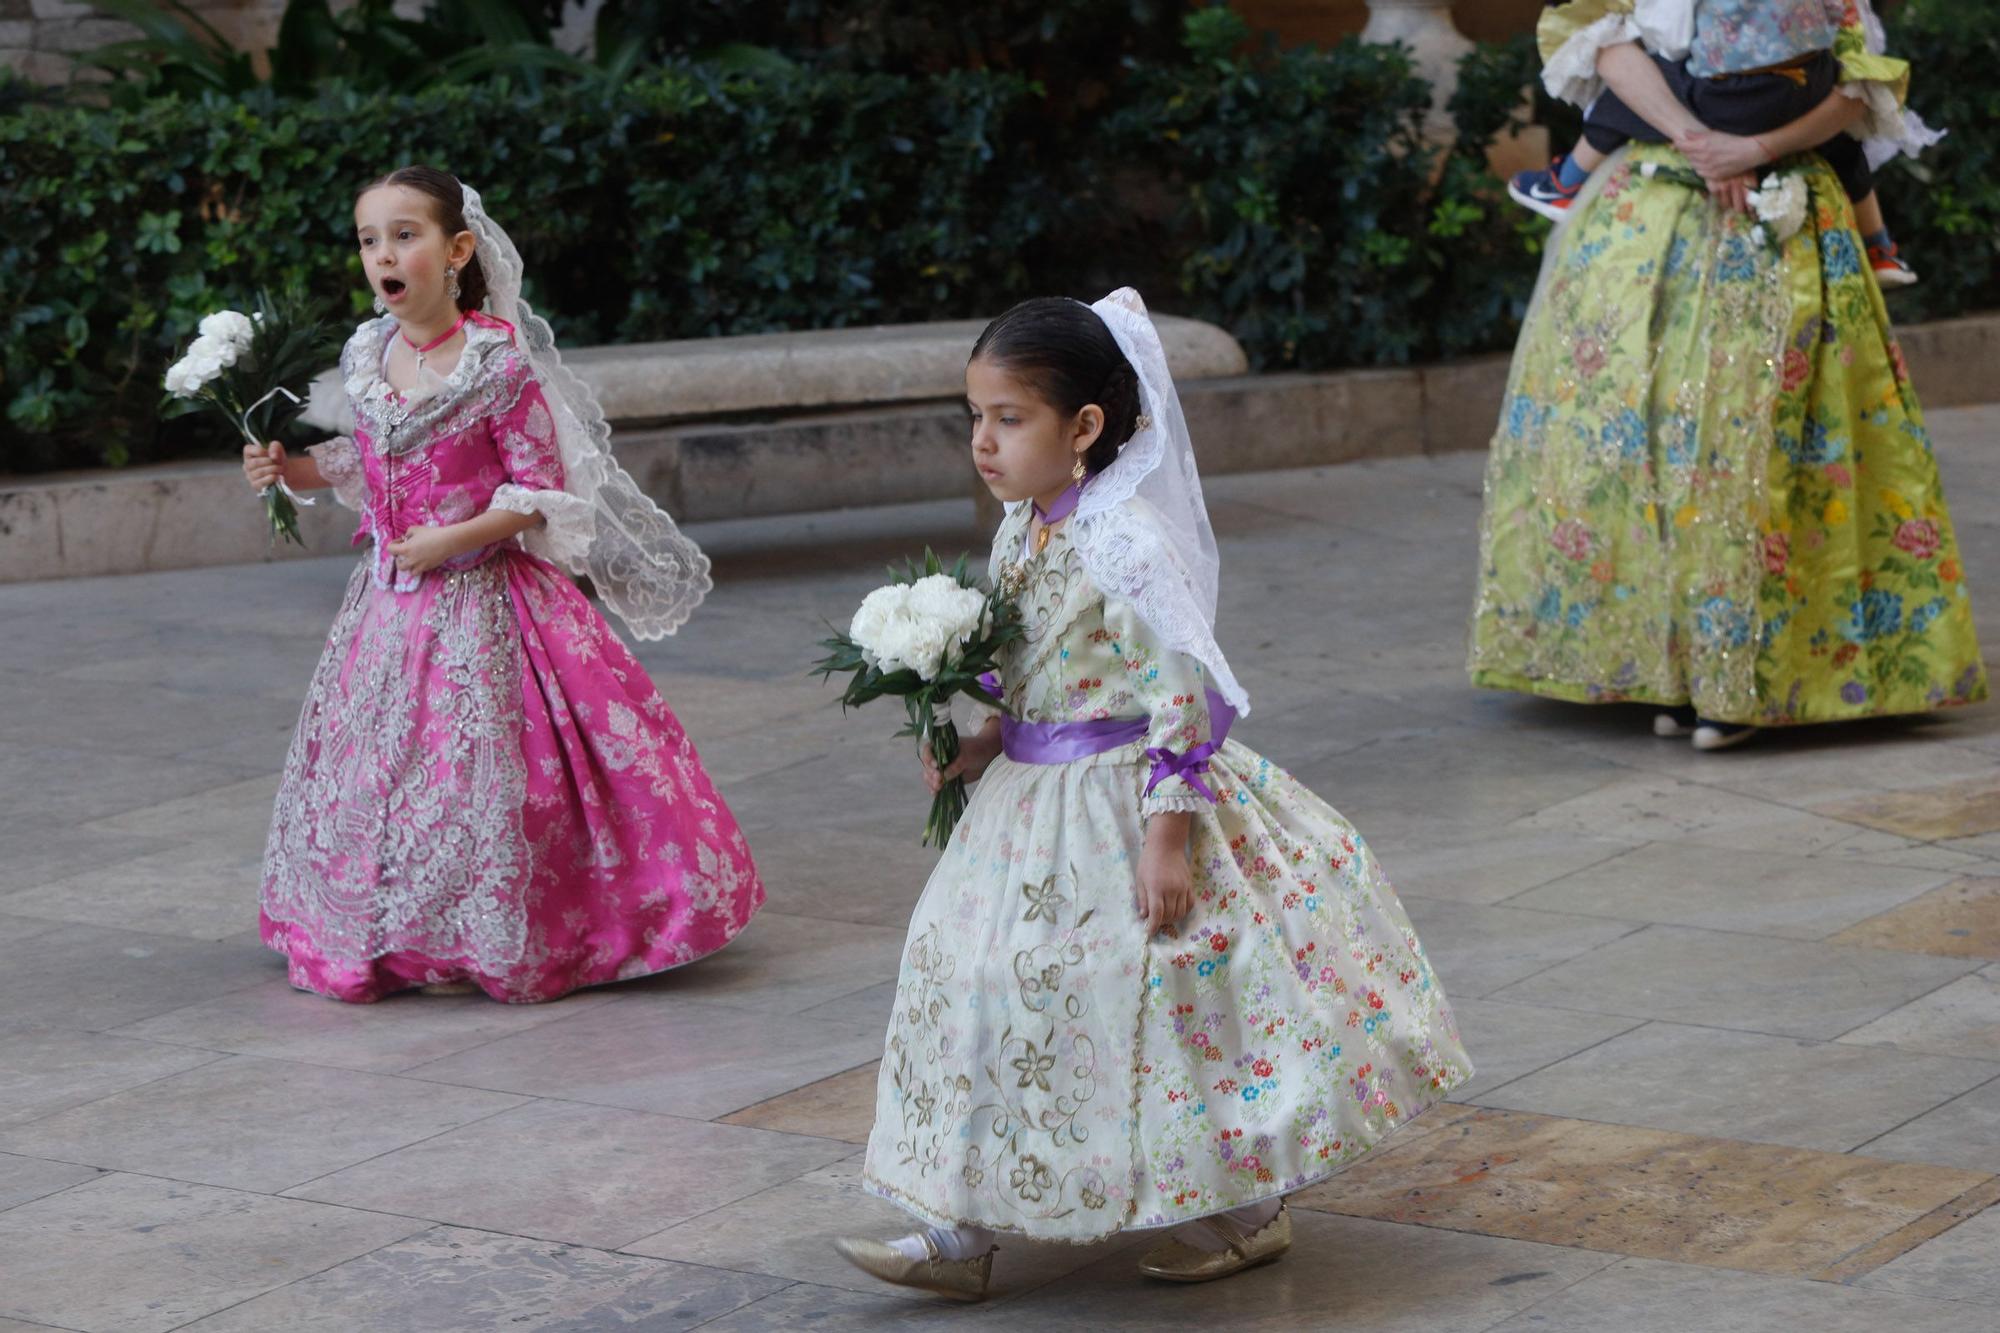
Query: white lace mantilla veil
x=646, y=570
x=1141, y=527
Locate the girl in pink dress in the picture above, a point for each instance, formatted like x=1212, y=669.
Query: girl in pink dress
x=485, y=789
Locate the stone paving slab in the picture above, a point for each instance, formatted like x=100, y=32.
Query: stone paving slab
x=1959, y=1019
x=1957, y=1266
x=1958, y=920
x=1693, y=1079
x=1730, y=1012
x=388, y=1037
x=128, y=1254
x=674, y=1057
x=1759, y=893
x=1964, y=1131
x=26, y=1178
x=841, y=1107
x=44, y=1070
x=1748, y=982
x=1639, y=1296
x=1682, y=1197
x=251, y=1124
x=588, y=1175
x=451, y=1280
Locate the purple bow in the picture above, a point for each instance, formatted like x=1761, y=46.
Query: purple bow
x=1187, y=767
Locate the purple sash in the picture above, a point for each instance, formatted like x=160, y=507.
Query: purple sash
x=1060, y=742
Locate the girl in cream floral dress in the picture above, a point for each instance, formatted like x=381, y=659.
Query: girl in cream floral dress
x=1153, y=980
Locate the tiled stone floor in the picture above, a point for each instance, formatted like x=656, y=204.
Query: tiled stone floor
x=1737, y=1016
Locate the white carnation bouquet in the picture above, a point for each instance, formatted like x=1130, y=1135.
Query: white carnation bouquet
x=1780, y=203
x=240, y=365
x=931, y=633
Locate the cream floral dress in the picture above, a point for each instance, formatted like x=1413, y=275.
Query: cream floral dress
x=1050, y=1069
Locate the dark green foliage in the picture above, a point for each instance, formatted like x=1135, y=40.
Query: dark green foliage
x=1313, y=221
x=831, y=169
x=1068, y=43
x=1944, y=208
x=689, y=203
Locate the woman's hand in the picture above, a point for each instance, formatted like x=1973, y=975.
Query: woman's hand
x=423, y=548
x=975, y=752
x=1720, y=157
x=264, y=465
x=1733, y=193
x=1166, y=884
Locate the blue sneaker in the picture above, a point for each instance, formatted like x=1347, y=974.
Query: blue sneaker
x=1543, y=191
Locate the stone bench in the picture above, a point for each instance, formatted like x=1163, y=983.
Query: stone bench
x=769, y=375
x=751, y=456
x=778, y=423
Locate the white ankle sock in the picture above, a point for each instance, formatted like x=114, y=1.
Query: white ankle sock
x=1249, y=1220
x=952, y=1242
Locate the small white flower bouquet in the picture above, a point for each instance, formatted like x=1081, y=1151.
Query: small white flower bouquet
x=1780, y=205
x=931, y=633
x=239, y=365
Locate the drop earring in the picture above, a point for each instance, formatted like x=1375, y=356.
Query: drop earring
x=451, y=283
x=1079, y=471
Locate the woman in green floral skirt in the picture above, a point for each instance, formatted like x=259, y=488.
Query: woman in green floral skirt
x=1711, y=488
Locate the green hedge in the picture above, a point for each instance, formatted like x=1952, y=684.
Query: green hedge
x=688, y=205
x=1285, y=196
x=1944, y=208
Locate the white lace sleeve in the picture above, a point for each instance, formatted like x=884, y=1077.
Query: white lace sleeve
x=1910, y=138
x=1886, y=119
x=340, y=467
x=567, y=522
x=1570, y=74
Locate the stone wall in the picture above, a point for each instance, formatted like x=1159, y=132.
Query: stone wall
x=1327, y=21
x=39, y=37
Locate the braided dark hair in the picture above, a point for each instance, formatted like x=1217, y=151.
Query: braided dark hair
x=447, y=198
x=1067, y=355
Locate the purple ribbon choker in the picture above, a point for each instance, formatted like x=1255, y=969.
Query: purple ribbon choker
x=1064, y=506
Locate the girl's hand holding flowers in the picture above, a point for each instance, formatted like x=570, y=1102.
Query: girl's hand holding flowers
x=975, y=752
x=264, y=465
x=238, y=366
x=929, y=635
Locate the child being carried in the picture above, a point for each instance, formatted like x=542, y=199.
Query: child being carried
x=1744, y=67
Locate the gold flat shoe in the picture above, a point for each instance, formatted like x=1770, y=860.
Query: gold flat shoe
x=1176, y=1261
x=957, y=1279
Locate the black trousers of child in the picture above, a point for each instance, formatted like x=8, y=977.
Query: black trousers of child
x=1739, y=104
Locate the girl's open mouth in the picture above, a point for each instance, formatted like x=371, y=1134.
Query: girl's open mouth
x=392, y=288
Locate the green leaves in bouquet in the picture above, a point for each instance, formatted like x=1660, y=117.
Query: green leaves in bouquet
x=870, y=682
x=294, y=342
x=922, y=698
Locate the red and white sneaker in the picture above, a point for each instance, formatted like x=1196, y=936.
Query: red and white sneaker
x=1891, y=270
